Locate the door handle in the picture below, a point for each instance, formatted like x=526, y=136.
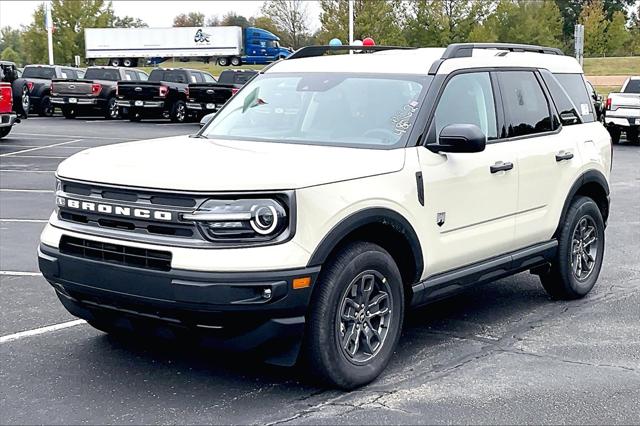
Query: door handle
x=501, y=166
x=562, y=156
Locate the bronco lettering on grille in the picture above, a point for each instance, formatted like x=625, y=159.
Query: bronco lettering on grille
x=114, y=209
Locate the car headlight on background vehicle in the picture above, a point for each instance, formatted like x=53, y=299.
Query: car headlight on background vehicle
x=244, y=220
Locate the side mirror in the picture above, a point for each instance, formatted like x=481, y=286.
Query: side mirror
x=460, y=138
x=568, y=118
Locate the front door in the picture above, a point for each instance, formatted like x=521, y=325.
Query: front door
x=470, y=198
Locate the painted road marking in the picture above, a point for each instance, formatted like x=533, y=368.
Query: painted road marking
x=11, y=154
x=73, y=136
x=41, y=330
x=24, y=220
x=42, y=191
x=20, y=274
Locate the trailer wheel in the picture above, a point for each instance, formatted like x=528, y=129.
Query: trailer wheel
x=223, y=62
x=127, y=62
x=236, y=61
x=114, y=62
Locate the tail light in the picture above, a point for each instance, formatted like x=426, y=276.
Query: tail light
x=51, y=89
x=163, y=91
x=186, y=91
x=29, y=85
x=234, y=90
x=117, y=91
x=6, y=98
x=608, y=104
x=95, y=89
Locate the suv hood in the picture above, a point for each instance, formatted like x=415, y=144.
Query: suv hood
x=193, y=164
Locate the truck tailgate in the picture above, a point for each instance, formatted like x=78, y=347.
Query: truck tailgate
x=211, y=92
x=143, y=90
x=71, y=87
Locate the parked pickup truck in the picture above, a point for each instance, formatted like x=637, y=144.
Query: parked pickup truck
x=165, y=94
x=208, y=97
x=95, y=93
x=37, y=78
x=7, y=116
x=622, y=111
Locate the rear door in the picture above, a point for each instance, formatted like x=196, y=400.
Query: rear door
x=470, y=204
x=548, y=157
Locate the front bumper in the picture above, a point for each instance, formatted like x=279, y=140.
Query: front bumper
x=8, y=119
x=71, y=100
x=227, y=310
x=139, y=104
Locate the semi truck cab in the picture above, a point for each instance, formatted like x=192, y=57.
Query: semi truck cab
x=262, y=47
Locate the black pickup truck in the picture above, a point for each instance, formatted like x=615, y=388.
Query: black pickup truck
x=208, y=97
x=164, y=94
x=36, y=82
x=95, y=93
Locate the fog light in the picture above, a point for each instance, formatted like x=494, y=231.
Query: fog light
x=266, y=293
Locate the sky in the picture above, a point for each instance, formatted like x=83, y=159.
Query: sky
x=155, y=13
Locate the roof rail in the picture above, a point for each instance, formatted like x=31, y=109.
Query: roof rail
x=311, y=51
x=464, y=50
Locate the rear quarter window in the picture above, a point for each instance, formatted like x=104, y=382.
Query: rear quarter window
x=576, y=88
x=633, y=86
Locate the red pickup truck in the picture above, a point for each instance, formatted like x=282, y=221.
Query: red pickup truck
x=7, y=117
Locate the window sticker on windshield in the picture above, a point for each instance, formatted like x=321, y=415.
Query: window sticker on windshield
x=584, y=109
x=402, y=119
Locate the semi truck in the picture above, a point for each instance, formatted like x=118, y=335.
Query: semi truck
x=224, y=45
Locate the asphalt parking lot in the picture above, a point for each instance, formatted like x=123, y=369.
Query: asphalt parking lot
x=501, y=353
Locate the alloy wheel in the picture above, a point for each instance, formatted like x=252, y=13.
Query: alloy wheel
x=584, y=250
x=26, y=102
x=364, y=316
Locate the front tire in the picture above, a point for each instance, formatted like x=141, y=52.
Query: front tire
x=356, y=316
x=578, y=261
x=46, y=107
x=25, y=102
x=4, y=131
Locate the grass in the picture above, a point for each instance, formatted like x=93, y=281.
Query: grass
x=612, y=66
x=214, y=69
x=605, y=90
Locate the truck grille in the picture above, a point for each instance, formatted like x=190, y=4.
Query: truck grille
x=113, y=253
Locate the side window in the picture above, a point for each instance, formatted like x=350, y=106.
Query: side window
x=561, y=99
x=577, y=91
x=130, y=75
x=526, y=108
x=70, y=73
x=468, y=99
x=142, y=76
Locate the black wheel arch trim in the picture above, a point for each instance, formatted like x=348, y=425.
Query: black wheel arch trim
x=366, y=217
x=590, y=176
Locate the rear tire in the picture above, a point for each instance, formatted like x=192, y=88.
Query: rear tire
x=614, y=132
x=69, y=112
x=114, y=62
x=178, y=112
x=578, y=261
x=134, y=115
x=112, y=112
x=236, y=61
x=25, y=102
x=46, y=107
x=355, y=318
x=223, y=62
x=632, y=135
x=4, y=131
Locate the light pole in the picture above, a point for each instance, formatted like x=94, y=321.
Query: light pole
x=49, y=25
x=350, y=25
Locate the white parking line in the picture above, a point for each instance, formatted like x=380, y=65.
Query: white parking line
x=42, y=191
x=73, y=136
x=26, y=171
x=19, y=274
x=39, y=156
x=24, y=220
x=10, y=154
x=38, y=146
x=41, y=330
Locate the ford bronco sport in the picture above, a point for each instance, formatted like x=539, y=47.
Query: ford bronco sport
x=332, y=193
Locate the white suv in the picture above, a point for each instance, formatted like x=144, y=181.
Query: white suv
x=331, y=194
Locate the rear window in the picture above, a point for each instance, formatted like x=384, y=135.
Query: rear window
x=235, y=77
x=102, y=74
x=175, y=77
x=39, y=72
x=576, y=88
x=633, y=86
x=68, y=73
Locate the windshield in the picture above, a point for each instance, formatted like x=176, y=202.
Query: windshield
x=356, y=110
x=39, y=72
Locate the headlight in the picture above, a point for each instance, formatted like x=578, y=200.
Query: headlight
x=245, y=220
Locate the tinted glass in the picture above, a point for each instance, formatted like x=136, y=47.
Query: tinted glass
x=130, y=75
x=526, y=108
x=142, y=76
x=468, y=99
x=337, y=109
x=68, y=73
x=156, y=75
x=561, y=99
x=208, y=78
x=175, y=76
x=39, y=72
x=196, y=77
x=102, y=74
x=577, y=91
x=633, y=86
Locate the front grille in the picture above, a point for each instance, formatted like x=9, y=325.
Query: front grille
x=113, y=253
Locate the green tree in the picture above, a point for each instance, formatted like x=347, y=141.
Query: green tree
x=571, y=10
x=235, y=20
x=617, y=35
x=34, y=39
x=291, y=19
x=595, y=25
x=191, y=19
x=11, y=39
x=377, y=19
x=128, y=22
x=8, y=54
x=265, y=23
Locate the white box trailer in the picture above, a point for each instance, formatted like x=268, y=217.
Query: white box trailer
x=122, y=46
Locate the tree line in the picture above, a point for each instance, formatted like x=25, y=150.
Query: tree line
x=612, y=27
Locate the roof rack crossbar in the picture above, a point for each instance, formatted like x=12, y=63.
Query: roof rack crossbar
x=464, y=50
x=311, y=51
